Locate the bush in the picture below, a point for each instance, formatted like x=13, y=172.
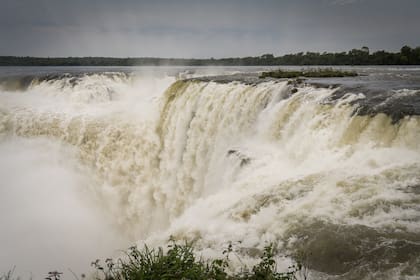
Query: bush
x=180, y=262
x=316, y=73
x=9, y=275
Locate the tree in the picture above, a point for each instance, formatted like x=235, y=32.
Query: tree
x=406, y=51
x=365, y=49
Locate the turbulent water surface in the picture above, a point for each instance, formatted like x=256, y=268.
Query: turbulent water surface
x=93, y=159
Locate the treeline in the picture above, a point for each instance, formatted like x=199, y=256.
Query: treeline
x=406, y=56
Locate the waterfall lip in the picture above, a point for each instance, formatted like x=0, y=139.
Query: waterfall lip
x=19, y=82
x=250, y=78
x=395, y=103
x=392, y=98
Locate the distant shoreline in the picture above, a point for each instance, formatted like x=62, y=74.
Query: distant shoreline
x=358, y=57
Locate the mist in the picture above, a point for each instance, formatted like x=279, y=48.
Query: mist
x=49, y=221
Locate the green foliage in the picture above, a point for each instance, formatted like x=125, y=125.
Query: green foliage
x=54, y=275
x=317, y=73
x=406, y=56
x=180, y=262
x=267, y=269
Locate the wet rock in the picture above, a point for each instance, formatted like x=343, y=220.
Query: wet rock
x=244, y=160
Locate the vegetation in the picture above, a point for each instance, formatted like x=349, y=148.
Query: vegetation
x=53, y=275
x=9, y=275
x=312, y=73
x=180, y=262
x=406, y=56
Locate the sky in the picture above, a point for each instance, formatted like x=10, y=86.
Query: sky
x=204, y=28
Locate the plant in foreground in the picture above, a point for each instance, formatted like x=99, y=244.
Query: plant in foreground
x=180, y=262
x=54, y=275
x=9, y=275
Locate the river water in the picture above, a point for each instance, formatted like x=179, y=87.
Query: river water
x=93, y=160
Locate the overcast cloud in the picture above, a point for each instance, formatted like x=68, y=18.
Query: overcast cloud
x=203, y=28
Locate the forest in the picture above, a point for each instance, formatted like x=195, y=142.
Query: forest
x=406, y=56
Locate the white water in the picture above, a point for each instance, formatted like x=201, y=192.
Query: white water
x=224, y=162
x=48, y=221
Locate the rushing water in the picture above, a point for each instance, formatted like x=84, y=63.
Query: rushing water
x=327, y=169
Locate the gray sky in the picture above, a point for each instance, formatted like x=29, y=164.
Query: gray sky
x=204, y=28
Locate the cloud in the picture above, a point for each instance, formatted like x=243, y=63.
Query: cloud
x=345, y=2
x=198, y=28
